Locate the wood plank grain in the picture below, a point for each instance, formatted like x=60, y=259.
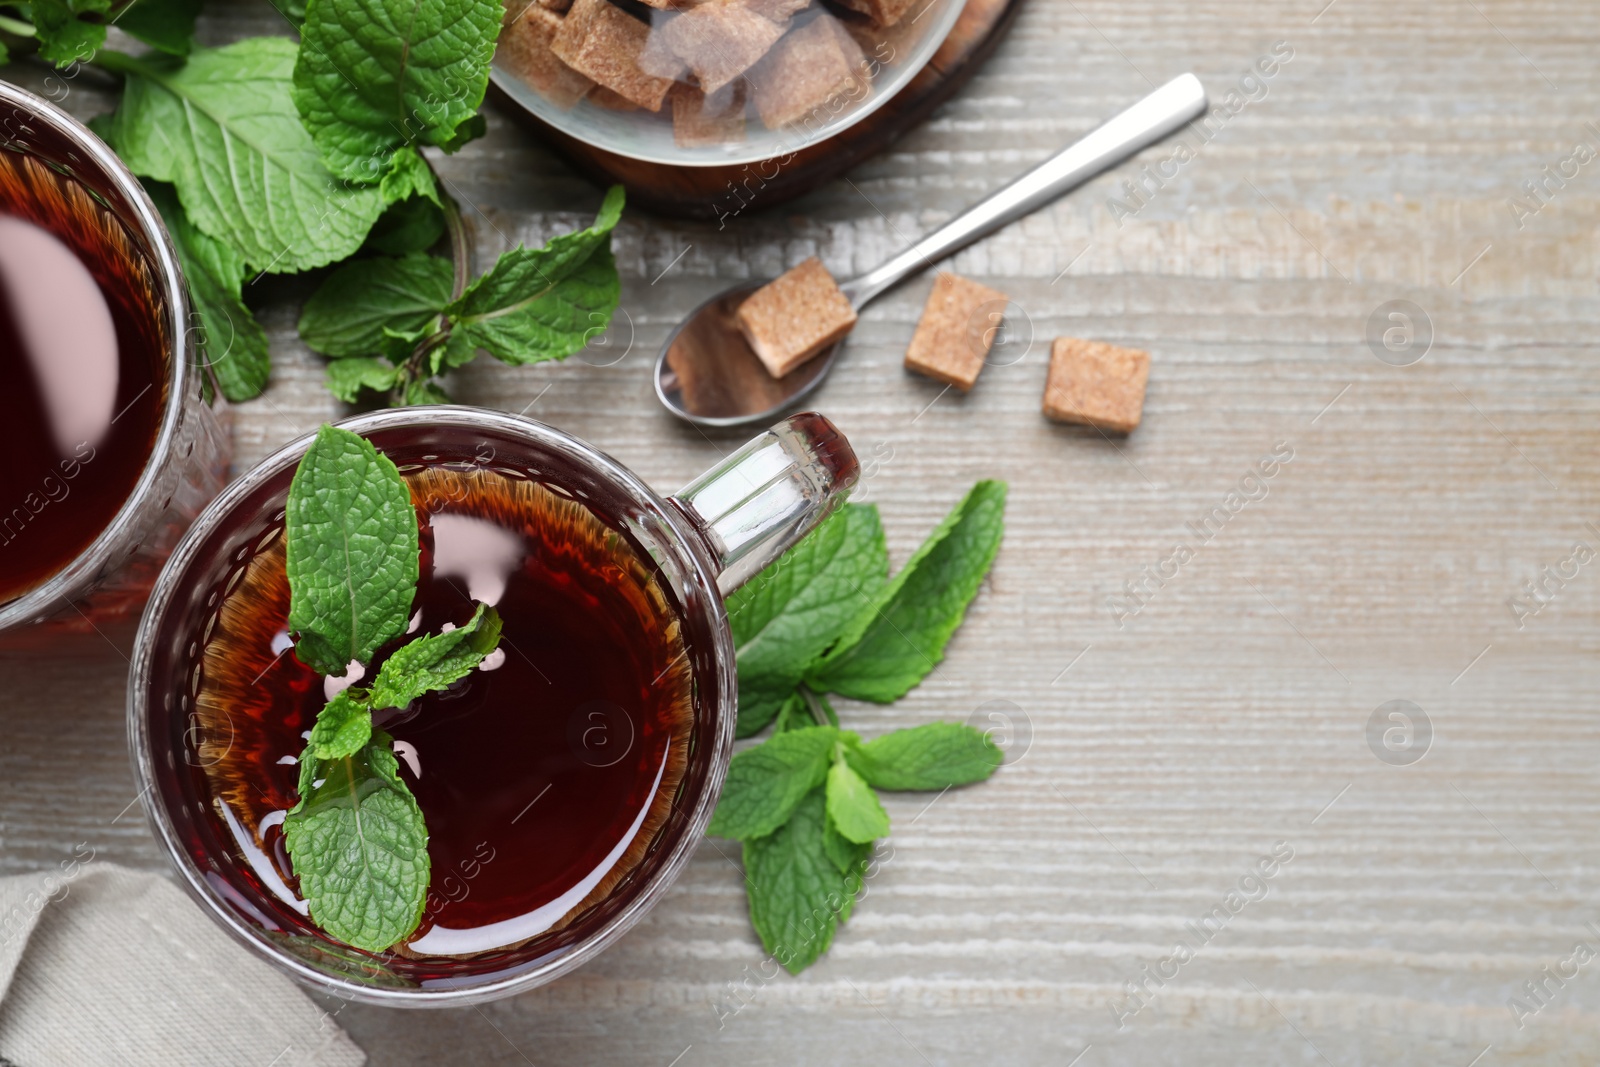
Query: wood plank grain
x=1229, y=713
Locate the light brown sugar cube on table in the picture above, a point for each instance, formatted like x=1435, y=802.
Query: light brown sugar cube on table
x=806, y=71
x=1096, y=384
x=524, y=50
x=957, y=327
x=795, y=316
x=603, y=43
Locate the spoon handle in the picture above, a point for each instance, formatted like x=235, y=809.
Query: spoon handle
x=1163, y=111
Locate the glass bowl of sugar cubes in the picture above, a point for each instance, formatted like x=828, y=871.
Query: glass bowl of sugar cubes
x=712, y=82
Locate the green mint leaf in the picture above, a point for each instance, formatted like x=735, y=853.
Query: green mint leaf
x=408, y=175
x=351, y=551
x=64, y=37
x=846, y=856
x=346, y=378
x=901, y=637
x=545, y=303
x=853, y=807
x=343, y=728
x=167, y=25
x=455, y=352
x=934, y=756
x=423, y=391
x=797, y=713
x=798, y=895
x=376, y=75
x=413, y=225
x=235, y=344
x=793, y=714
x=787, y=616
x=222, y=129
x=359, y=847
x=766, y=782
x=348, y=314
x=430, y=663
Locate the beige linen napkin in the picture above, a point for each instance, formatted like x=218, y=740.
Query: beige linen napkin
x=103, y=965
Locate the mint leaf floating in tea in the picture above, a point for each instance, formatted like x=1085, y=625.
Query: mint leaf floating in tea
x=356, y=836
x=352, y=552
x=785, y=618
x=342, y=729
x=436, y=662
x=823, y=619
x=376, y=75
x=359, y=846
x=223, y=129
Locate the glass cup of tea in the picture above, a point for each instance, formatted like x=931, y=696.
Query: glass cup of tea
x=565, y=782
x=112, y=437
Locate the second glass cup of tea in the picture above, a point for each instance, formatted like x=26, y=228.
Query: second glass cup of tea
x=112, y=438
x=564, y=782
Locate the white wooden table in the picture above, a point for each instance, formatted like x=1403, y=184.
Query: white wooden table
x=1169, y=752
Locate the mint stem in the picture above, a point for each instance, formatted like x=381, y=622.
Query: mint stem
x=815, y=705
x=461, y=260
x=17, y=27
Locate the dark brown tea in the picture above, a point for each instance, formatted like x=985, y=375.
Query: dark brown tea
x=545, y=777
x=81, y=354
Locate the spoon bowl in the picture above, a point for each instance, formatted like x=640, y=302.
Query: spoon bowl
x=706, y=372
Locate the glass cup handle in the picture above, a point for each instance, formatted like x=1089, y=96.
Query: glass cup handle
x=769, y=494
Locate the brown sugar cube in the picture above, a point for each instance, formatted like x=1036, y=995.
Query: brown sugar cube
x=721, y=39
x=795, y=316
x=524, y=50
x=700, y=119
x=558, y=6
x=777, y=10
x=603, y=43
x=600, y=96
x=658, y=59
x=954, y=334
x=1096, y=384
x=884, y=45
x=807, y=70
x=881, y=12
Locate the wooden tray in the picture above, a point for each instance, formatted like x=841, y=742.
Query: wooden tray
x=723, y=192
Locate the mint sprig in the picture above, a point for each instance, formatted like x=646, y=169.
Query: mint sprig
x=286, y=156
x=401, y=319
x=356, y=837
x=824, y=619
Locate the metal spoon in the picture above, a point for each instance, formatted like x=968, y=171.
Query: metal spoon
x=706, y=372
